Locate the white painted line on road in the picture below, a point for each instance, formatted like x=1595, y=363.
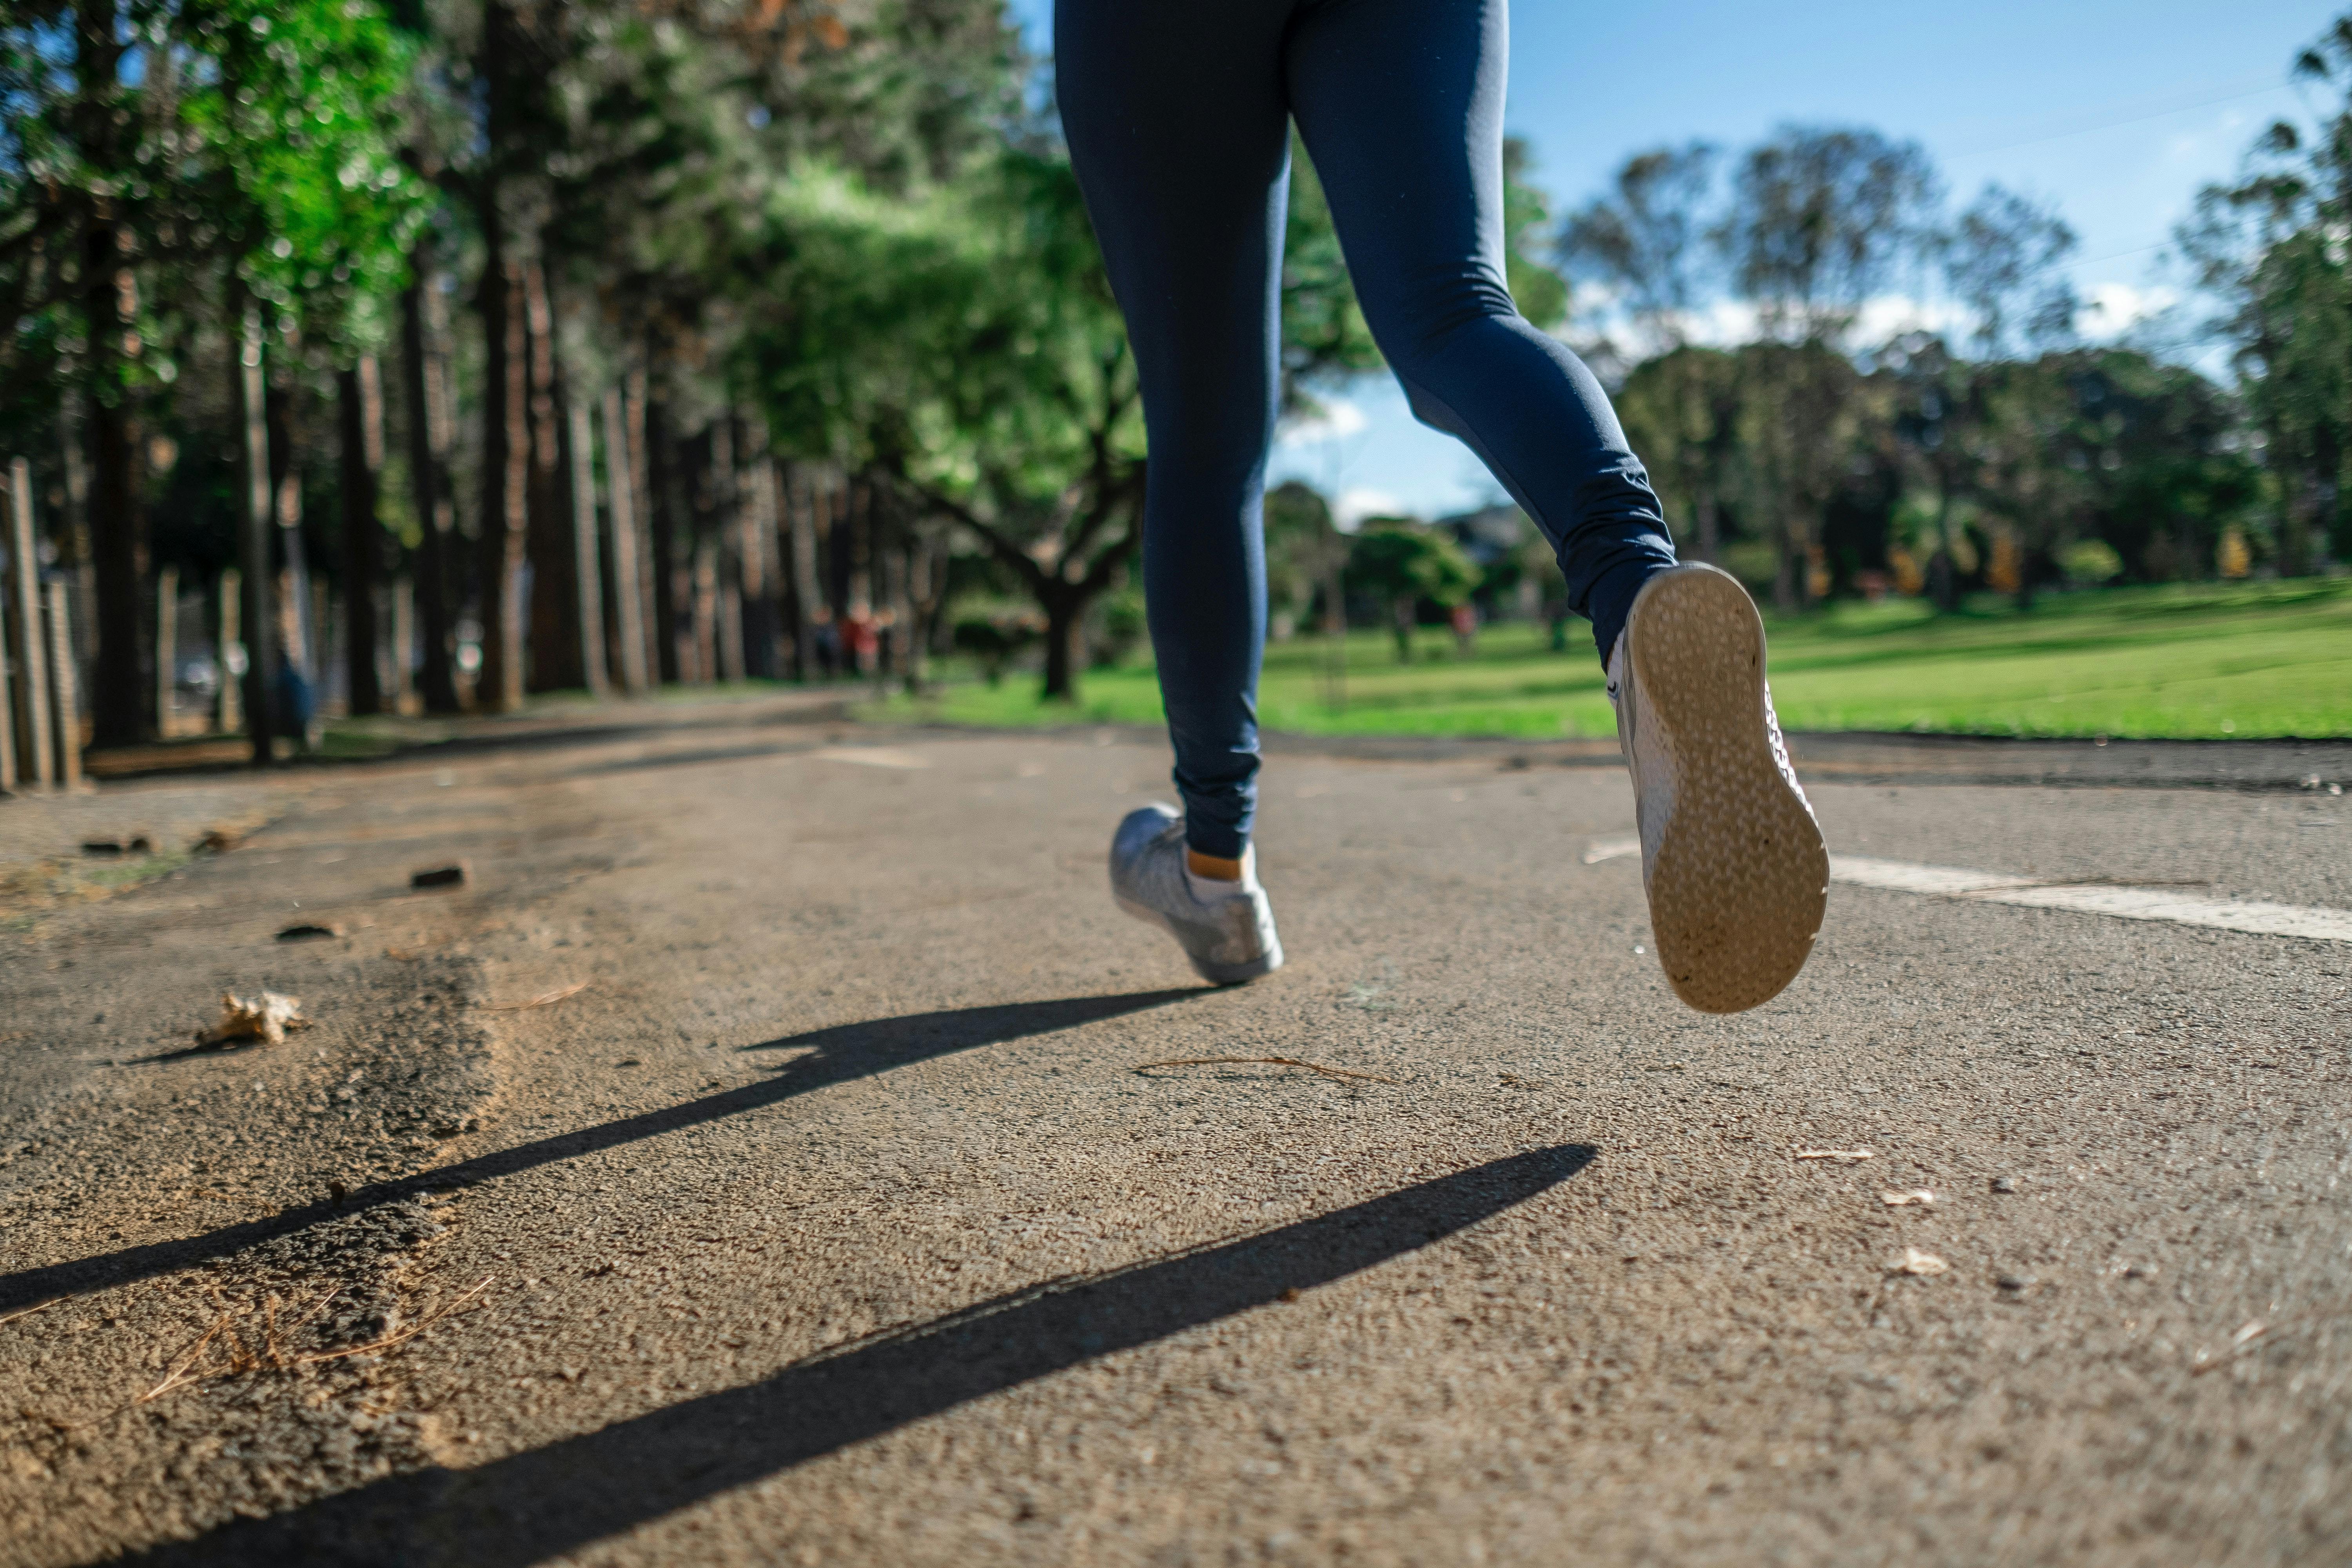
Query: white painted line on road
x=2221, y=914
x=870, y=757
x=2251, y=915
x=1902, y=876
x=1601, y=849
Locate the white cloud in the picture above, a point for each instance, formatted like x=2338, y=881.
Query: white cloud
x=1355, y=505
x=1727, y=324
x=2114, y=307
x=1338, y=419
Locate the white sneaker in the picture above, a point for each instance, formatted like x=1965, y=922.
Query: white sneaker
x=1731, y=854
x=1226, y=929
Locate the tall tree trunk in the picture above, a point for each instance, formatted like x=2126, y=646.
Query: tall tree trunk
x=119, y=698
x=249, y=397
x=628, y=571
x=672, y=580
x=1066, y=620
x=726, y=541
x=359, y=398
x=755, y=574
x=650, y=582
x=554, y=590
x=121, y=689
x=294, y=625
x=428, y=478
x=506, y=474
x=587, y=570
x=806, y=593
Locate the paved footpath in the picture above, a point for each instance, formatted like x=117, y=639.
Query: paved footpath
x=872, y=1199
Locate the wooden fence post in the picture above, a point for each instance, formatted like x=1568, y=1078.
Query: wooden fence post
x=68, y=701
x=31, y=657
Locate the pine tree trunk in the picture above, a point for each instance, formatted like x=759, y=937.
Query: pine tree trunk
x=807, y=593
x=119, y=689
x=359, y=398
x=506, y=477
x=248, y=395
x=670, y=571
x=428, y=481
x=555, y=591
x=628, y=573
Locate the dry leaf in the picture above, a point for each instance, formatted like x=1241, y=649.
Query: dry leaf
x=1914, y=1261
x=546, y=999
x=266, y=1017
x=1904, y=1200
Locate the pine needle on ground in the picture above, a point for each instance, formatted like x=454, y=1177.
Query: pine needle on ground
x=1266, y=1061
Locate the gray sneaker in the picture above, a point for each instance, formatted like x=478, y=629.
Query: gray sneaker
x=1229, y=937
x=1731, y=855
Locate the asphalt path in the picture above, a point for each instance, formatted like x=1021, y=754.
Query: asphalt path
x=779, y=1150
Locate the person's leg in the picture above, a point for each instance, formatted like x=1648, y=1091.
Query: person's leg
x=1178, y=129
x=1400, y=103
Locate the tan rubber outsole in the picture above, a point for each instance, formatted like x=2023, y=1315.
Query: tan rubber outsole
x=1742, y=877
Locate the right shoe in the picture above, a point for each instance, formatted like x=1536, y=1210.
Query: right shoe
x=1229, y=936
x=1731, y=855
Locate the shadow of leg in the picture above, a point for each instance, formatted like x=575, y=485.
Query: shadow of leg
x=563, y=1496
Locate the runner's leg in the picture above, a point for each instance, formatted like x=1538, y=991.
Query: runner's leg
x=1178, y=129
x=1400, y=103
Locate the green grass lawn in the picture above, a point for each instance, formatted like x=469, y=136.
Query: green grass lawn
x=2185, y=661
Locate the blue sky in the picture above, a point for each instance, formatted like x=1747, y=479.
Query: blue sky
x=2118, y=110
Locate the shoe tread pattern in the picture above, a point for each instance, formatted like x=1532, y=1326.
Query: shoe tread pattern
x=1742, y=877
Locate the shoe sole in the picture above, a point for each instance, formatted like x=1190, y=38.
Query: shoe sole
x=1215, y=973
x=1742, y=877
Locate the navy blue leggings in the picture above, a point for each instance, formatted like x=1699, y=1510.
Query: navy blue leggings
x=1178, y=115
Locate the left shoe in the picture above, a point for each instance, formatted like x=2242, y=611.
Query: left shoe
x=1226, y=929
x=1732, y=858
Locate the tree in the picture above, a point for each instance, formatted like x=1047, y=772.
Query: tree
x=1683, y=410
x=221, y=137
x=1304, y=552
x=2001, y=260
x=1401, y=563
x=1819, y=221
x=2269, y=247
x=1646, y=241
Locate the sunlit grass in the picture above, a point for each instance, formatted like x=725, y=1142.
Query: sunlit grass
x=2185, y=661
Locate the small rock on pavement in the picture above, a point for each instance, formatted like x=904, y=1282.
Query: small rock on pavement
x=456, y=875
x=108, y=847
x=2003, y=1184
x=1914, y=1261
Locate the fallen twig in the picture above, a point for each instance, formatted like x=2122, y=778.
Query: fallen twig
x=178, y=1376
x=30, y=1310
x=405, y=1334
x=1835, y=1155
x=1266, y=1061
x=272, y=1356
x=545, y=1000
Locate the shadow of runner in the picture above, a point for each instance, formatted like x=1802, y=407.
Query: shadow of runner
x=842, y=1052
x=570, y=1493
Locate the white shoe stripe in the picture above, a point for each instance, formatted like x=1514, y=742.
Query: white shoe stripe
x=2250, y=915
